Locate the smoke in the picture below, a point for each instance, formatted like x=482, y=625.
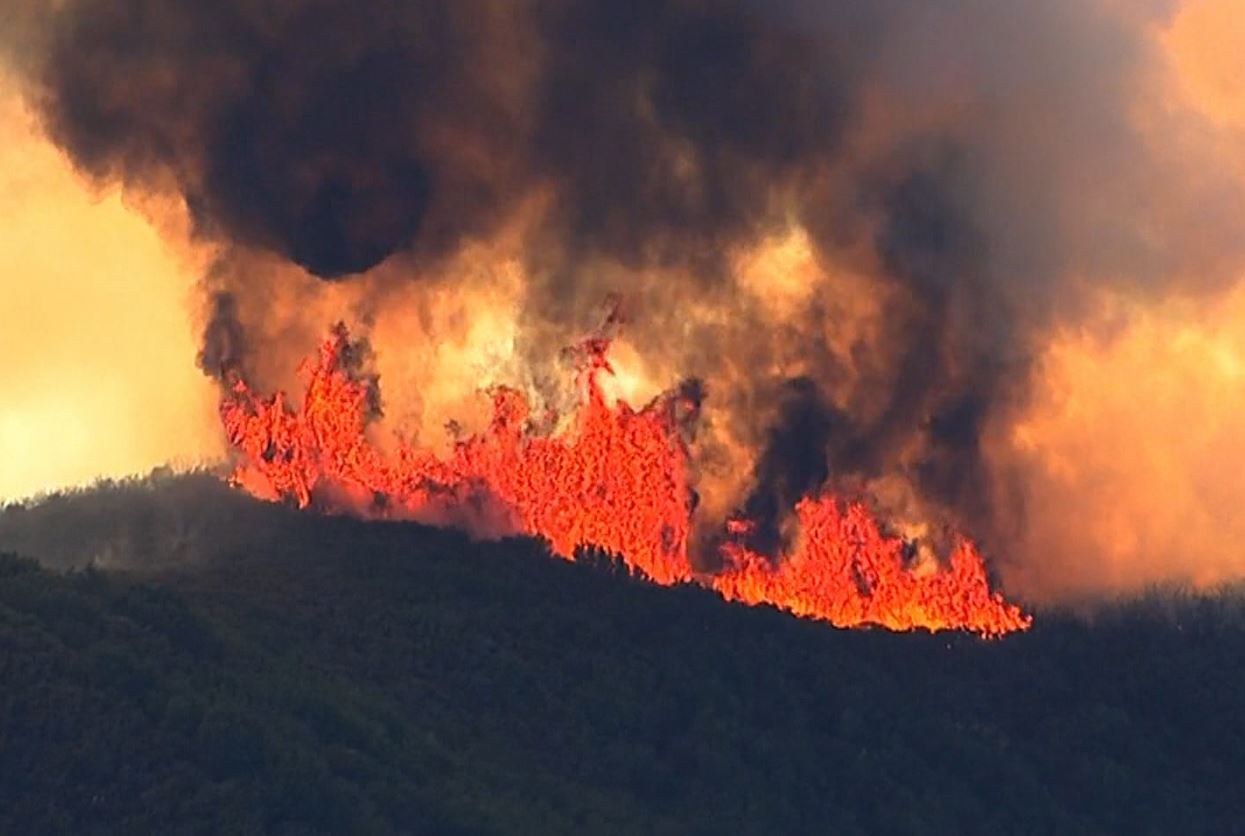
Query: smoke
x=862, y=226
x=151, y=523
x=792, y=465
x=1133, y=442
x=224, y=339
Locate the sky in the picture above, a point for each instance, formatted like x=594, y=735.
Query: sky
x=97, y=316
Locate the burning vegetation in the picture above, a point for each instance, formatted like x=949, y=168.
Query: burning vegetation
x=616, y=479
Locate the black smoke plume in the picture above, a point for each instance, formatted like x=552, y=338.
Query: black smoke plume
x=793, y=464
x=337, y=137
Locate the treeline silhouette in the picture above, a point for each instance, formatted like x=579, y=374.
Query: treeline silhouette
x=289, y=673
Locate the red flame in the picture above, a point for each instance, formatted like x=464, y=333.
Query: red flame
x=617, y=479
x=845, y=570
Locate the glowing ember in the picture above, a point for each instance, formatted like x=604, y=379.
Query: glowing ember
x=617, y=479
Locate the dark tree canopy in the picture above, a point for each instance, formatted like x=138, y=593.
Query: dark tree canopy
x=317, y=675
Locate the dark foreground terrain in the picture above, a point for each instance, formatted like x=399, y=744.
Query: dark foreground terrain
x=236, y=667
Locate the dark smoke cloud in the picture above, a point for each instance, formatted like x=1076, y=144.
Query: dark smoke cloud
x=336, y=138
x=980, y=161
x=328, y=134
x=950, y=366
x=224, y=348
x=792, y=465
x=658, y=122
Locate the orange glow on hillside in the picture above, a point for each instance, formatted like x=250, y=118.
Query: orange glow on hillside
x=617, y=478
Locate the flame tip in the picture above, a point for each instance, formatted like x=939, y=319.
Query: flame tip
x=619, y=482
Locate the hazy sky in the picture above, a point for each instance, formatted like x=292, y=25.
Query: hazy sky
x=95, y=328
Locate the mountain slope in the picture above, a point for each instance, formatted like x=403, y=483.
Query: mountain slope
x=291, y=673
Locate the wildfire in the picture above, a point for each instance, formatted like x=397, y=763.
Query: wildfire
x=846, y=571
x=617, y=479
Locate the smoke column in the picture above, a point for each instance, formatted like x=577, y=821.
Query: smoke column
x=885, y=236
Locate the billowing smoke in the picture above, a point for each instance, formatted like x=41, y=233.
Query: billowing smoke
x=792, y=464
x=857, y=223
x=337, y=139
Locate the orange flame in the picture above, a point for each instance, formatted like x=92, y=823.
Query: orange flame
x=617, y=479
x=846, y=571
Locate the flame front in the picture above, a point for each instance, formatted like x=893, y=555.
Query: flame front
x=846, y=571
x=617, y=479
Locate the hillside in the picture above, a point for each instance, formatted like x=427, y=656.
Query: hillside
x=233, y=666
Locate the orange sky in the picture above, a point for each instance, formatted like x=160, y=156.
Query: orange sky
x=95, y=329
x=1208, y=42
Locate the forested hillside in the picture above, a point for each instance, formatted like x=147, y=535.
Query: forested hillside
x=242, y=668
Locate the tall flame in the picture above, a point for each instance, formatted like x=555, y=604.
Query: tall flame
x=617, y=479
